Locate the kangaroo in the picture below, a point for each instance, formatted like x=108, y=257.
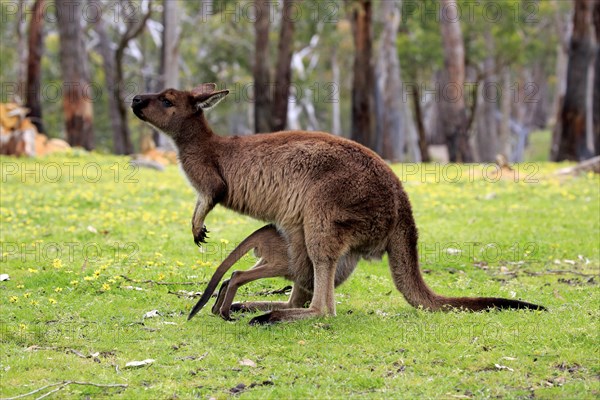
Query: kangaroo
x=272, y=250
x=332, y=198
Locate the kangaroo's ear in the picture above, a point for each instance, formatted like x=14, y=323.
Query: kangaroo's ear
x=208, y=101
x=204, y=88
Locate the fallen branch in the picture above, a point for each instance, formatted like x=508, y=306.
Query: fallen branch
x=128, y=279
x=36, y=347
x=62, y=385
x=33, y=392
x=61, y=348
x=559, y=272
x=592, y=164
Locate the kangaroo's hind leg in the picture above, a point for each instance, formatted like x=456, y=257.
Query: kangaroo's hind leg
x=229, y=288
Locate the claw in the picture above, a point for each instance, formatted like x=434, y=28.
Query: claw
x=238, y=307
x=201, y=237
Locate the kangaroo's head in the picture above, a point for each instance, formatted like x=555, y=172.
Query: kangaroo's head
x=170, y=110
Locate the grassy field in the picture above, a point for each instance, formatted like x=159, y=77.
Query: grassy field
x=91, y=246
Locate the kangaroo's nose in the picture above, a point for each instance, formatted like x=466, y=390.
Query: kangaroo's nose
x=136, y=100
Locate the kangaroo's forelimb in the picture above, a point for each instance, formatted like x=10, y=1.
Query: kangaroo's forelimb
x=199, y=230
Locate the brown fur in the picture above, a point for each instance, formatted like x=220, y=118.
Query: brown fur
x=272, y=250
x=331, y=198
x=273, y=262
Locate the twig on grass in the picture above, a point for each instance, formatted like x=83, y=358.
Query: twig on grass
x=77, y=353
x=159, y=283
x=36, y=347
x=559, y=272
x=64, y=384
x=84, y=265
x=35, y=391
x=62, y=348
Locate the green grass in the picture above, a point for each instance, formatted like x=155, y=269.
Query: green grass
x=72, y=225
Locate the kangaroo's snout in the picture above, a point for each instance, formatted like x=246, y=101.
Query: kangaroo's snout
x=139, y=101
x=136, y=100
x=137, y=104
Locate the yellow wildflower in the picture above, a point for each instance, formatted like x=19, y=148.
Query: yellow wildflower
x=52, y=301
x=57, y=263
x=13, y=299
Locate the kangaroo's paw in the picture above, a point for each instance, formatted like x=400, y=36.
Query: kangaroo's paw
x=201, y=236
x=224, y=313
x=241, y=307
x=264, y=319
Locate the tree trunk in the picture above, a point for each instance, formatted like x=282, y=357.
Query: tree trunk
x=572, y=138
x=416, y=95
x=34, y=66
x=487, y=131
x=283, y=69
x=452, y=105
x=108, y=64
x=504, y=132
x=596, y=96
x=21, y=50
x=135, y=26
x=389, y=87
x=363, y=78
x=538, y=104
x=589, y=104
x=336, y=119
x=78, y=109
x=169, y=56
x=262, y=97
x=564, y=30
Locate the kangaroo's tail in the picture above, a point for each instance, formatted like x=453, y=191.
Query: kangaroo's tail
x=404, y=265
x=246, y=245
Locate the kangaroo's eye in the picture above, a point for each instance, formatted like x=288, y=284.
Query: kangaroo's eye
x=166, y=103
